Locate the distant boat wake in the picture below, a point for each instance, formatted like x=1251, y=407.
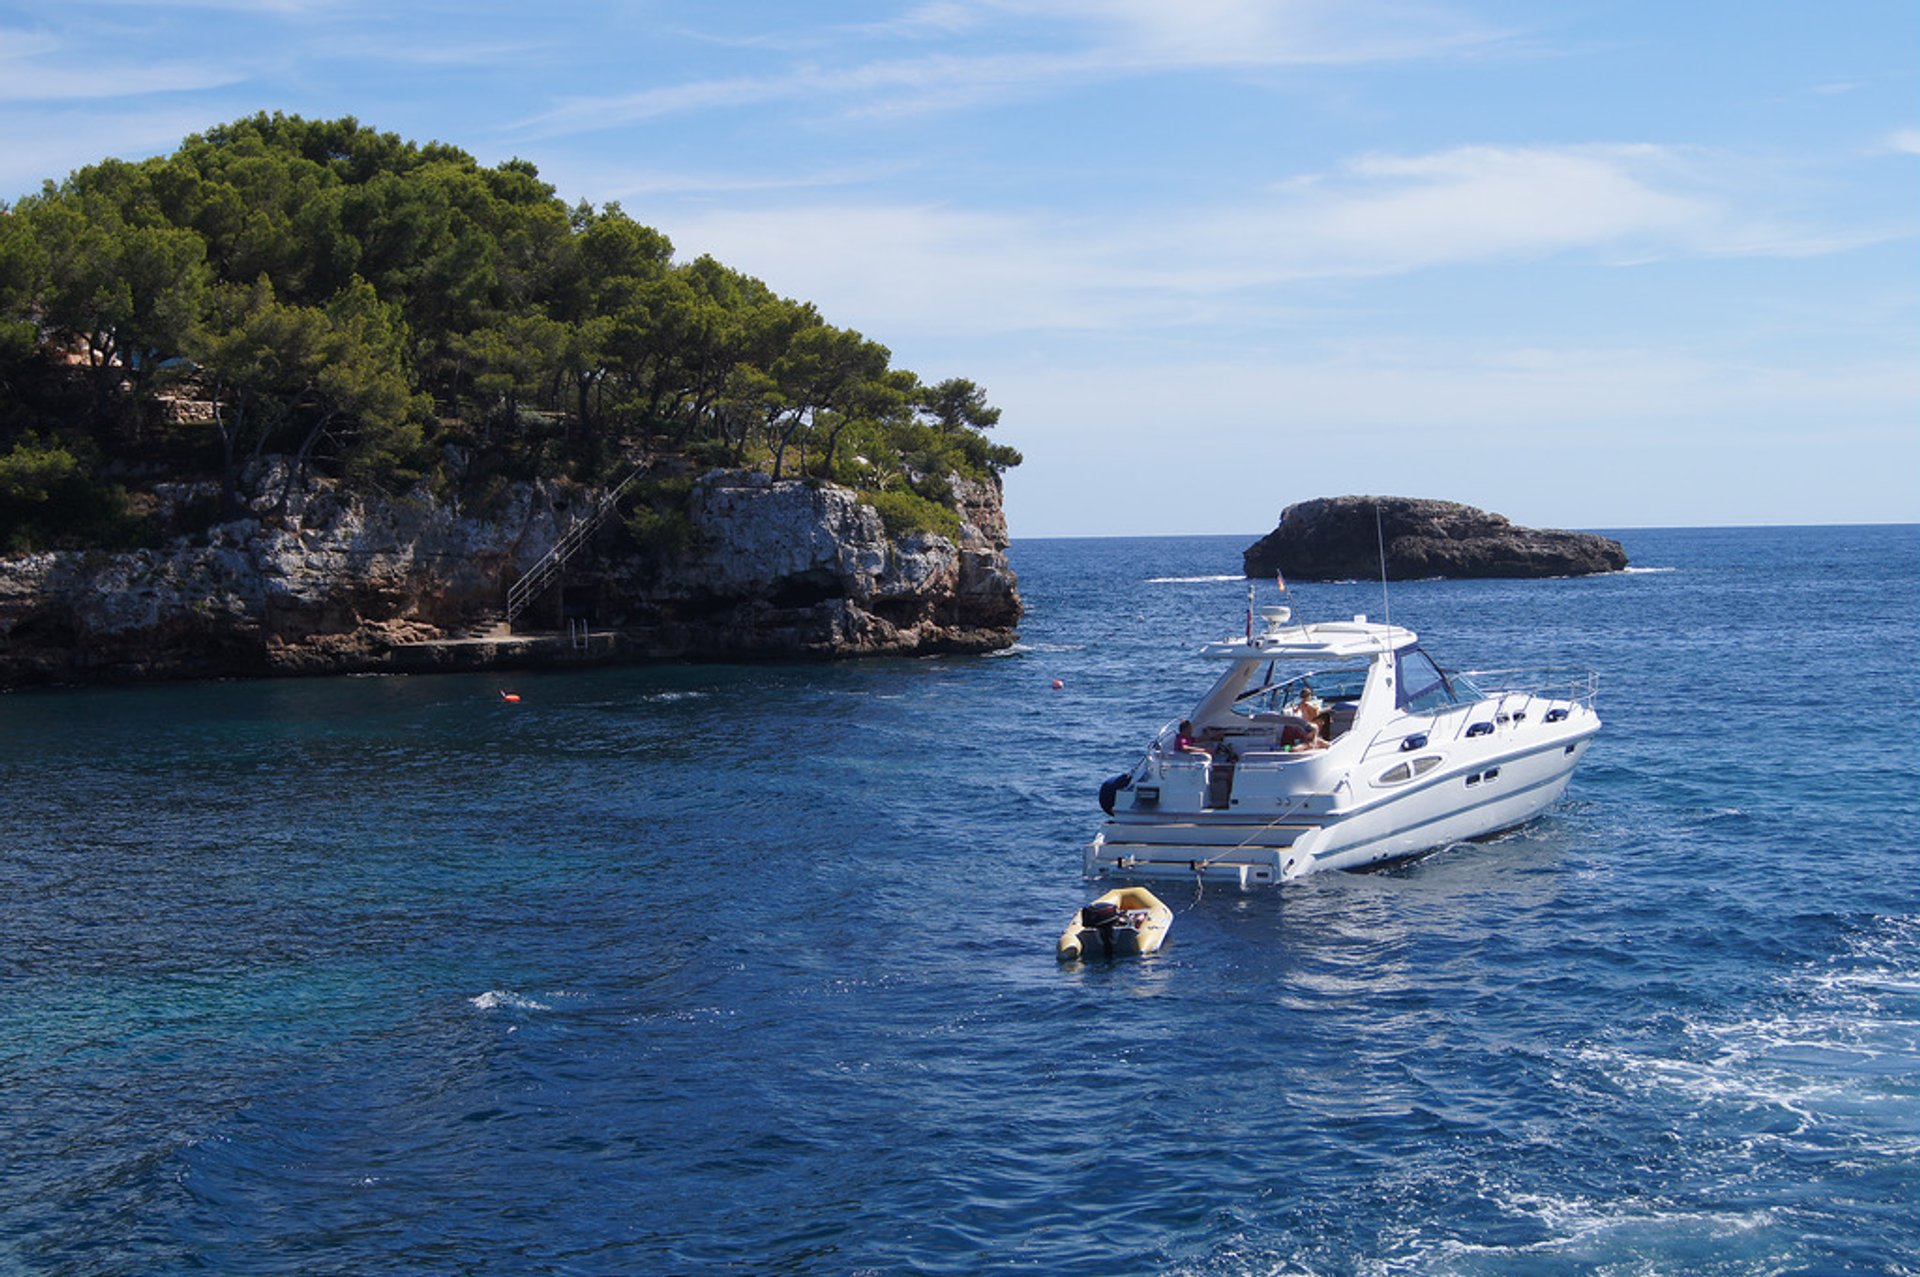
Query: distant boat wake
x=1194, y=580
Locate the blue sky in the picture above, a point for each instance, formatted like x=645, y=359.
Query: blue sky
x=1587, y=264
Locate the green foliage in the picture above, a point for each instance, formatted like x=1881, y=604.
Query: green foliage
x=659, y=522
x=905, y=513
x=354, y=300
x=48, y=501
x=30, y=472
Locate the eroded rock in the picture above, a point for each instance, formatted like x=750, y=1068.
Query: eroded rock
x=1335, y=539
x=336, y=583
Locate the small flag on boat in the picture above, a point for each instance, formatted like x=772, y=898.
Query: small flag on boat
x=1279, y=581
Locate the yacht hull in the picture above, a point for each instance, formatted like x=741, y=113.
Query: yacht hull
x=1455, y=804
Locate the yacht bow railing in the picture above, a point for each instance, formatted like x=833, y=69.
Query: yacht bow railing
x=1543, y=681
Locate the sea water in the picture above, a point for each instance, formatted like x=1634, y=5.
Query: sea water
x=750, y=968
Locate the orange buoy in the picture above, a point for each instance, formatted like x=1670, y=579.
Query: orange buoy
x=511, y=698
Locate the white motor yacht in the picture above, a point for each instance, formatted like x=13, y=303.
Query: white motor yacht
x=1339, y=746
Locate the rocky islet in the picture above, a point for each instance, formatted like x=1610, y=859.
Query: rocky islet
x=1344, y=538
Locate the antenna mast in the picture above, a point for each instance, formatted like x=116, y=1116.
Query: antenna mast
x=1380, y=538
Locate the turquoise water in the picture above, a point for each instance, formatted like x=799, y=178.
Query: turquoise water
x=749, y=968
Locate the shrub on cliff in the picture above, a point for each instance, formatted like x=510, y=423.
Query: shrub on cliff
x=905, y=513
x=659, y=521
x=48, y=500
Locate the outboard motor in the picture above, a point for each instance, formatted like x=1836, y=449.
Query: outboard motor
x=1103, y=916
x=1110, y=789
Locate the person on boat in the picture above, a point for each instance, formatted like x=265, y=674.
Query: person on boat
x=1185, y=743
x=1317, y=718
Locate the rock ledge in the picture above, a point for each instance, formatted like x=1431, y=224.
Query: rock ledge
x=341, y=583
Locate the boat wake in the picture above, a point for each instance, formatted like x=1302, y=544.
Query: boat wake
x=493, y=999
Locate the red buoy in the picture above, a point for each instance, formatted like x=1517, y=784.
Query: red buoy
x=511, y=698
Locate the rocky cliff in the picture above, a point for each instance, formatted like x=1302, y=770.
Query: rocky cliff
x=1335, y=538
x=336, y=583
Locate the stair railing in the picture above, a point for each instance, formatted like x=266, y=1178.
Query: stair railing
x=542, y=574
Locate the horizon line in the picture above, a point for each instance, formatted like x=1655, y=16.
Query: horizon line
x=1620, y=527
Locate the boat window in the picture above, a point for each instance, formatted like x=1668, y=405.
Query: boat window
x=1280, y=688
x=1423, y=688
x=1401, y=773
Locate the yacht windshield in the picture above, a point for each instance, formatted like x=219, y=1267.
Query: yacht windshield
x=1277, y=687
x=1425, y=688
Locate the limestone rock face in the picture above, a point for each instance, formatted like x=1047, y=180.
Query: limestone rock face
x=796, y=568
x=337, y=583
x=1335, y=539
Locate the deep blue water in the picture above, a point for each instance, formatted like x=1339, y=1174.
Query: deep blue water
x=750, y=968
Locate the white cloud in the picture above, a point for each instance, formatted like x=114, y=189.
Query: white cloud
x=1387, y=214
x=568, y=175
x=32, y=70
x=1103, y=40
x=1229, y=33
x=292, y=8
x=877, y=86
x=92, y=84
x=899, y=269
x=925, y=21
x=877, y=265
x=1904, y=141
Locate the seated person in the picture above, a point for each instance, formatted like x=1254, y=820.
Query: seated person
x=1317, y=717
x=1185, y=743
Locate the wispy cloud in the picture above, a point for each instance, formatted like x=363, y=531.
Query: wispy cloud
x=1069, y=43
x=58, y=84
x=38, y=66
x=1904, y=141
x=291, y=8
x=363, y=47
x=900, y=84
x=615, y=183
x=1226, y=33
x=1388, y=214
x=1374, y=216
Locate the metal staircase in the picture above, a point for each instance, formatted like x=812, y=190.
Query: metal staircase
x=543, y=574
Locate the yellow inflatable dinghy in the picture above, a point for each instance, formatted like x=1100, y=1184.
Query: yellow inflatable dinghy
x=1125, y=921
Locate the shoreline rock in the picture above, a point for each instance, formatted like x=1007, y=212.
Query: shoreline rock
x=1335, y=539
x=367, y=583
